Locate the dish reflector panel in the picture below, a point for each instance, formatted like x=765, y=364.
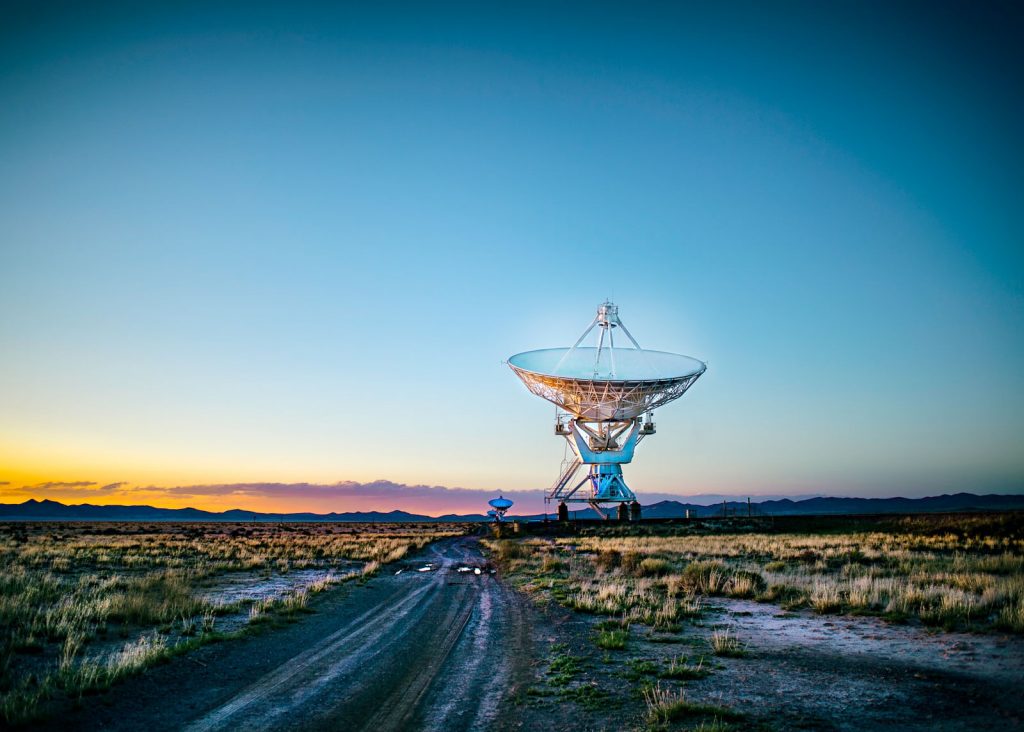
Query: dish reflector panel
x=602, y=385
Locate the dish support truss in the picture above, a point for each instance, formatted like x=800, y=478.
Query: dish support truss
x=604, y=447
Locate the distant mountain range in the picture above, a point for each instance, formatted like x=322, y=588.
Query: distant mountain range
x=33, y=510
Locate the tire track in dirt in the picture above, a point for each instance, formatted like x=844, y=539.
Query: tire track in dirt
x=320, y=667
x=491, y=657
x=399, y=706
x=425, y=657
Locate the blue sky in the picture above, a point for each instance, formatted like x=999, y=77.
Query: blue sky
x=295, y=244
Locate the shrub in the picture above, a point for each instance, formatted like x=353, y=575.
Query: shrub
x=508, y=549
x=1011, y=617
x=552, y=563
x=825, y=598
x=607, y=560
x=708, y=578
x=652, y=567
x=631, y=562
x=747, y=584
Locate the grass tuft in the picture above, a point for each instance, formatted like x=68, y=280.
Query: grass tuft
x=665, y=706
x=612, y=640
x=725, y=643
x=678, y=668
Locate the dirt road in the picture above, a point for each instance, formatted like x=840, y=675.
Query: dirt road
x=433, y=649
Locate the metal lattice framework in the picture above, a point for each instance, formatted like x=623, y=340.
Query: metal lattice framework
x=605, y=400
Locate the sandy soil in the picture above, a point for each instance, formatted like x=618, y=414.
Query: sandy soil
x=856, y=673
x=799, y=671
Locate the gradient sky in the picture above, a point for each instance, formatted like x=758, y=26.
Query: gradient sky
x=294, y=244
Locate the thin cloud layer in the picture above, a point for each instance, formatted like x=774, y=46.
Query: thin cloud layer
x=63, y=485
x=378, y=495
x=339, y=497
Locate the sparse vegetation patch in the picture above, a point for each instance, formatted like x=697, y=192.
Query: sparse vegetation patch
x=956, y=574
x=85, y=604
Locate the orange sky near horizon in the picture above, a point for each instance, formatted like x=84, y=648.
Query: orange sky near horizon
x=74, y=477
x=17, y=486
x=77, y=475
x=160, y=497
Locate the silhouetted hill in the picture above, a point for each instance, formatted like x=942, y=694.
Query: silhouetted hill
x=832, y=506
x=33, y=510
x=55, y=511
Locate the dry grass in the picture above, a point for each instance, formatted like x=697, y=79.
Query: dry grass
x=966, y=573
x=968, y=578
x=725, y=643
x=680, y=668
x=666, y=705
x=68, y=588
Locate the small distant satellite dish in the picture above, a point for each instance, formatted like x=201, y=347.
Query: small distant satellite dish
x=498, y=506
x=500, y=503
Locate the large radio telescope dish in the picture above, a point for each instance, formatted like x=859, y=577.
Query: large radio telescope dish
x=606, y=384
x=607, y=395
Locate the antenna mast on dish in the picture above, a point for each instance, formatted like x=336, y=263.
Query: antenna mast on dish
x=607, y=396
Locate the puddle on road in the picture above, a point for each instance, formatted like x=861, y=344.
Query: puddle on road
x=462, y=569
x=229, y=589
x=247, y=588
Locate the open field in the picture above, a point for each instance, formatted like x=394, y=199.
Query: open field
x=83, y=605
x=608, y=627
x=958, y=573
x=916, y=622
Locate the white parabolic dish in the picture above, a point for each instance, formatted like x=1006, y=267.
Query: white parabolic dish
x=606, y=384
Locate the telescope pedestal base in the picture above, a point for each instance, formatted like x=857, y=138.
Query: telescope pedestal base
x=608, y=485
